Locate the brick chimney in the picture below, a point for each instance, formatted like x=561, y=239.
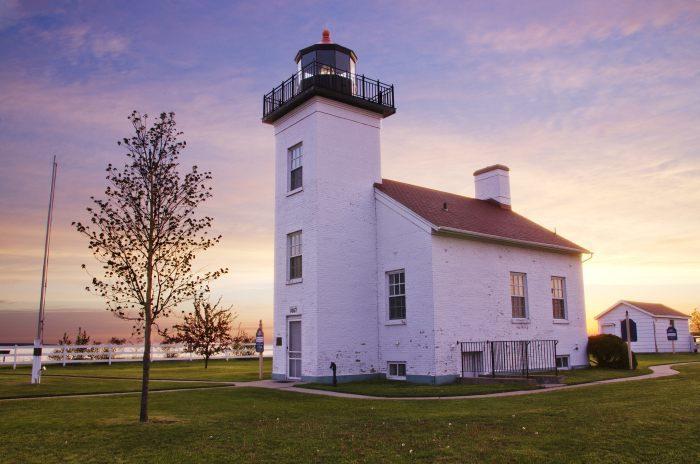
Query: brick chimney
x=493, y=183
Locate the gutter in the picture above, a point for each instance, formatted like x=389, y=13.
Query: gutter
x=440, y=230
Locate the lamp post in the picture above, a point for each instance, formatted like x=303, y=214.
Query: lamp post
x=629, y=339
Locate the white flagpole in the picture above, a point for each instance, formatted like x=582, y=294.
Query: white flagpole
x=38, y=341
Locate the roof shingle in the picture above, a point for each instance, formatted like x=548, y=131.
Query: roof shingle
x=480, y=217
x=657, y=309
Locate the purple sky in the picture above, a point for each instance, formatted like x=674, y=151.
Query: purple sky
x=595, y=106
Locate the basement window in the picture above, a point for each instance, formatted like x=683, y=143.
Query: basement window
x=396, y=371
x=563, y=361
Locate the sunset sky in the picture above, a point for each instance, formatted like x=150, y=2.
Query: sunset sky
x=594, y=106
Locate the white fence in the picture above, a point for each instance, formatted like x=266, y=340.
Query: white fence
x=17, y=355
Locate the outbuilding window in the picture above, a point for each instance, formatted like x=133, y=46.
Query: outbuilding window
x=558, y=298
x=397, y=294
x=294, y=254
x=294, y=158
x=396, y=371
x=518, y=294
x=633, y=330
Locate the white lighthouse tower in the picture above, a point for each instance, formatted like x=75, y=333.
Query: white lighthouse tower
x=326, y=121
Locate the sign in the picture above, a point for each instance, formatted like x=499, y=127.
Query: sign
x=672, y=334
x=259, y=340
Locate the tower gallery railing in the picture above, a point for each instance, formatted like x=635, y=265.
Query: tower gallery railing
x=316, y=74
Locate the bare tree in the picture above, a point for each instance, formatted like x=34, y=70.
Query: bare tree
x=146, y=234
x=206, y=330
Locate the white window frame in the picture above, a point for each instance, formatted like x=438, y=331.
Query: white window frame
x=295, y=154
x=563, y=357
x=391, y=287
x=396, y=375
x=294, y=250
x=553, y=289
x=512, y=286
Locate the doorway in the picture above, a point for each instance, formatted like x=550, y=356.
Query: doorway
x=294, y=349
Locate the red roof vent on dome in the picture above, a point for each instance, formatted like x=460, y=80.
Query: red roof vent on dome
x=326, y=37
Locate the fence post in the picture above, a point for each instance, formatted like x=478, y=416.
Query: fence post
x=63, y=355
x=14, y=363
x=109, y=348
x=493, y=361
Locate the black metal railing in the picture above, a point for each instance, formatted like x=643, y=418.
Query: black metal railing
x=508, y=358
x=328, y=77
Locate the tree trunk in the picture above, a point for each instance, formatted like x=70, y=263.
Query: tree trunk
x=206, y=361
x=143, y=417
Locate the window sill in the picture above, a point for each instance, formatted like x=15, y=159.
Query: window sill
x=393, y=377
x=560, y=321
x=295, y=281
x=297, y=190
x=395, y=322
x=520, y=321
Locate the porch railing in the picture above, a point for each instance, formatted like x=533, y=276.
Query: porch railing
x=508, y=358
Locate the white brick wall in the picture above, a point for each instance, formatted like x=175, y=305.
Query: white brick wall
x=472, y=298
x=337, y=298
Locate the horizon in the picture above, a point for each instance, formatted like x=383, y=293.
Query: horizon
x=594, y=107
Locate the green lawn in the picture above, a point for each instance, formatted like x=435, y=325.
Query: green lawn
x=645, y=421
x=16, y=386
x=405, y=389
x=237, y=370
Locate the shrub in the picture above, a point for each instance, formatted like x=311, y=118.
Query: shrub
x=609, y=351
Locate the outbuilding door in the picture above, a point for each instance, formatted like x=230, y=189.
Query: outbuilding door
x=294, y=349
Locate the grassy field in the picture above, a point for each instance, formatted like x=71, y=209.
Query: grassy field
x=237, y=370
x=17, y=386
x=405, y=389
x=645, y=421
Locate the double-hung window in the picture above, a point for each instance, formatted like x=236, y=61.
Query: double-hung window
x=294, y=162
x=294, y=255
x=558, y=298
x=397, y=294
x=518, y=294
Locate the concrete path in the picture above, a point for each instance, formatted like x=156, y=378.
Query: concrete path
x=663, y=370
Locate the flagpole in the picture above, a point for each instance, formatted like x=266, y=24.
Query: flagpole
x=38, y=341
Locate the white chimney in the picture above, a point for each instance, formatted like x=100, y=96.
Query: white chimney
x=493, y=183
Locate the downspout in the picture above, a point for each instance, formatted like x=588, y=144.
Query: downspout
x=653, y=324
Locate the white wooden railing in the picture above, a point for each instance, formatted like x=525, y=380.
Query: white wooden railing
x=17, y=355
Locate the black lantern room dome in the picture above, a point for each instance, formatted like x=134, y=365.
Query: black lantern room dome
x=327, y=53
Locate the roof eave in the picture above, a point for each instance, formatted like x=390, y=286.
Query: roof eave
x=451, y=231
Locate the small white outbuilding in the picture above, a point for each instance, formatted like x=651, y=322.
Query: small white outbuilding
x=650, y=325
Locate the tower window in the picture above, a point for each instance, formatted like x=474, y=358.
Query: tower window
x=294, y=254
x=397, y=294
x=294, y=158
x=558, y=298
x=518, y=294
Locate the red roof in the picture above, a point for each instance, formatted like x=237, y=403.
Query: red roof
x=657, y=309
x=485, y=218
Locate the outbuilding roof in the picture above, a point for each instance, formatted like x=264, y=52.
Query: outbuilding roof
x=487, y=219
x=653, y=309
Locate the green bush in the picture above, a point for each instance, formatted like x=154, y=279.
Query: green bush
x=608, y=350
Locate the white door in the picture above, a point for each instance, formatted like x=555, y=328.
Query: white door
x=294, y=350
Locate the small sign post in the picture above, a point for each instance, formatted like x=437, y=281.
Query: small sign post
x=259, y=348
x=672, y=336
x=629, y=339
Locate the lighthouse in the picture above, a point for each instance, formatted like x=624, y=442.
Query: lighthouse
x=326, y=120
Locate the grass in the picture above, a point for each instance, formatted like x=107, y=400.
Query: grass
x=238, y=370
x=18, y=386
x=645, y=421
x=406, y=389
